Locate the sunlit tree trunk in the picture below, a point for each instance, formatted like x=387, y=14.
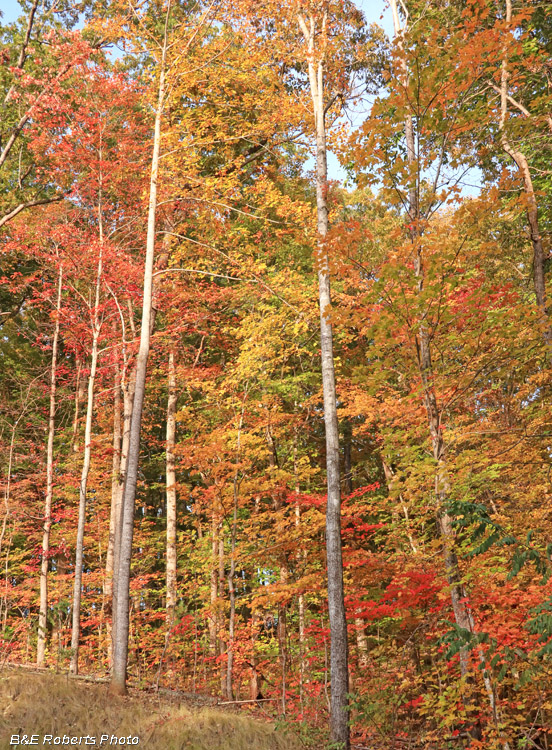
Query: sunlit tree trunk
x=122, y=582
x=128, y=382
x=232, y=571
x=220, y=610
x=284, y=572
x=87, y=457
x=171, y=493
x=212, y=622
x=339, y=671
x=301, y=598
x=232, y=598
x=79, y=395
x=115, y=506
x=44, y=560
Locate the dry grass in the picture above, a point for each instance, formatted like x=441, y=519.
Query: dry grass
x=45, y=704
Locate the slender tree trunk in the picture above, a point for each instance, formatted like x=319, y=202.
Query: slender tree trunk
x=44, y=561
x=171, y=493
x=78, y=399
x=362, y=643
x=232, y=597
x=171, y=501
x=121, y=623
x=254, y=686
x=232, y=571
x=339, y=670
x=301, y=599
x=347, y=466
x=220, y=617
x=361, y=640
x=128, y=384
x=284, y=572
x=79, y=552
x=115, y=507
x=212, y=622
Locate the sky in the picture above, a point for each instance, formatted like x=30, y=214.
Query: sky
x=375, y=11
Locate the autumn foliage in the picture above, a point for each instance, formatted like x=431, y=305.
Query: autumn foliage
x=438, y=250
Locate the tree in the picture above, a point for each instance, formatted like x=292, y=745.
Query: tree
x=121, y=624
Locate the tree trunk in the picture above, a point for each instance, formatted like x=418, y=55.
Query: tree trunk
x=122, y=582
x=171, y=493
x=44, y=560
x=220, y=610
x=79, y=552
x=171, y=501
x=232, y=596
x=301, y=599
x=128, y=384
x=339, y=671
x=115, y=508
x=213, y=617
x=347, y=466
x=78, y=398
x=362, y=643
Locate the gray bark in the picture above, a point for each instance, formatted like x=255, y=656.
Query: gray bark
x=339, y=670
x=44, y=563
x=115, y=507
x=122, y=583
x=171, y=493
x=87, y=457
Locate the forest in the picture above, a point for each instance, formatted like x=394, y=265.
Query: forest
x=275, y=432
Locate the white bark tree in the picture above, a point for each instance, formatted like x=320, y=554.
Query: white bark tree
x=44, y=560
x=122, y=573
x=339, y=670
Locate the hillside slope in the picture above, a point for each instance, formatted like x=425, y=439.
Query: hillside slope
x=64, y=712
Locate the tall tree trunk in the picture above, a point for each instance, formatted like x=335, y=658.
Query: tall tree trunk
x=79, y=394
x=171, y=493
x=115, y=507
x=232, y=597
x=220, y=616
x=171, y=503
x=128, y=382
x=44, y=560
x=232, y=571
x=347, y=466
x=213, y=617
x=339, y=670
x=121, y=623
x=301, y=599
x=284, y=572
x=79, y=552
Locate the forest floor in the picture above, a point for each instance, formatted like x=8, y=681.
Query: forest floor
x=48, y=710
